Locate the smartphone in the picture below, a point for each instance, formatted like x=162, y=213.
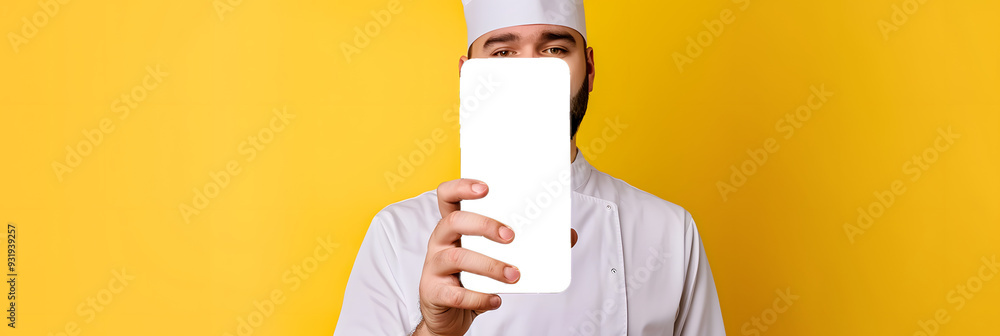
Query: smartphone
x=515, y=131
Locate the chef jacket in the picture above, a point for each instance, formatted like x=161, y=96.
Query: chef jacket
x=639, y=268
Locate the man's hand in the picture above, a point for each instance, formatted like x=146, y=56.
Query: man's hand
x=446, y=307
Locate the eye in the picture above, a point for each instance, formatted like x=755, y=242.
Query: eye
x=554, y=51
x=503, y=53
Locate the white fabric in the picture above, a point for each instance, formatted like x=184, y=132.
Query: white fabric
x=484, y=16
x=639, y=268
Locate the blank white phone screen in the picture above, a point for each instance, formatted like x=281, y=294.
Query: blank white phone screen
x=514, y=115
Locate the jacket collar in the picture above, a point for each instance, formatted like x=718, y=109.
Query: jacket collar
x=581, y=170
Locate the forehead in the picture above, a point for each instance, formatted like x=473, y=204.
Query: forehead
x=528, y=33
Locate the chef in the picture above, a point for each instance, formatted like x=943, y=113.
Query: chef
x=639, y=266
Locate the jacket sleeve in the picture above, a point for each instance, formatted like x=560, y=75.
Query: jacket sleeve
x=699, y=312
x=373, y=302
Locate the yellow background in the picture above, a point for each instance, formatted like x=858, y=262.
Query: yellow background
x=323, y=175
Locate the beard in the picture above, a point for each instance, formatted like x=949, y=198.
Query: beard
x=578, y=107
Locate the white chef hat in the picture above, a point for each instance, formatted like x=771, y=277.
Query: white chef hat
x=484, y=16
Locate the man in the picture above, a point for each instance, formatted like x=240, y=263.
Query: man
x=639, y=267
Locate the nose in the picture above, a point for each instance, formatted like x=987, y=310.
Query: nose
x=529, y=53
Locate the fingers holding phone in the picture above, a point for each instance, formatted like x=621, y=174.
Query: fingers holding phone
x=448, y=308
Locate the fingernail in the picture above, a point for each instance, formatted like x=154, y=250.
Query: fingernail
x=511, y=273
x=495, y=302
x=478, y=188
x=506, y=233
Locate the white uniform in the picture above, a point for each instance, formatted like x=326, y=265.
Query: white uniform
x=639, y=268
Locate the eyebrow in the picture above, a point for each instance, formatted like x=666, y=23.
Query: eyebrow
x=546, y=37
x=502, y=38
x=549, y=36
